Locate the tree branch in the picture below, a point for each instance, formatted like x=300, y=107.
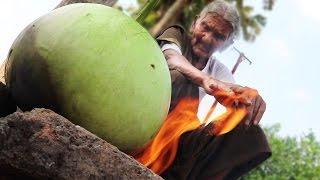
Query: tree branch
x=170, y=16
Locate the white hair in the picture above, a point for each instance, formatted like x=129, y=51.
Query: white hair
x=227, y=11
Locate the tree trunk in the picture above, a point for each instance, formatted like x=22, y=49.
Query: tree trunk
x=104, y=2
x=170, y=17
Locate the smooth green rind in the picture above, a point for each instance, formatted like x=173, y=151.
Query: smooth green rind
x=105, y=72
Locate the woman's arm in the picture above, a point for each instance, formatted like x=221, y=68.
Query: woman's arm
x=228, y=94
x=209, y=84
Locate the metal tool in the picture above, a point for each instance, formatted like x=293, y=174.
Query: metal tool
x=241, y=58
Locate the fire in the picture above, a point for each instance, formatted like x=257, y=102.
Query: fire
x=161, y=152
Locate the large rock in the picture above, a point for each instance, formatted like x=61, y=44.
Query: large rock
x=42, y=144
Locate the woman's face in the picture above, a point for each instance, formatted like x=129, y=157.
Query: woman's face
x=209, y=33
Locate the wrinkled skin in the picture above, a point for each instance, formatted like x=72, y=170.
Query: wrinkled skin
x=208, y=34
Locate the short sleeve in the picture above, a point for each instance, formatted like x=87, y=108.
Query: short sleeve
x=173, y=34
x=172, y=46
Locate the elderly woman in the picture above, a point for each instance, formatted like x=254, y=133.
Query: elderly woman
x=194, y=72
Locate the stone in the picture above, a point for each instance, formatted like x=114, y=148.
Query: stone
x=44, y=145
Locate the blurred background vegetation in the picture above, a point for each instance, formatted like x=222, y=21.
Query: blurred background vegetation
x=182, y=12
x=292, y=158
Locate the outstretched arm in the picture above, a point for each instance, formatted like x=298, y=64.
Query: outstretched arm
x=227, y=94
x=221, y=91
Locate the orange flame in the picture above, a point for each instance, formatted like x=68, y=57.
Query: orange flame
x=161, y=152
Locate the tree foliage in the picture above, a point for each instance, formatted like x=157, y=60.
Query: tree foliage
x=165, y=13
x=292, y=158
x=183, y=12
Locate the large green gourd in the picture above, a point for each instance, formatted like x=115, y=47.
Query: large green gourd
x=97, y=67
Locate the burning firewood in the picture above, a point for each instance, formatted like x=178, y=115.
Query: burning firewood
x=161, y=152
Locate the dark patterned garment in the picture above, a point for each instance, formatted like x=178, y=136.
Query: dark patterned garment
x=200, y=155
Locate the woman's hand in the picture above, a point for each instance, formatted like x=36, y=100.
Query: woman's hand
x=233, y=95
x=255, y=105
